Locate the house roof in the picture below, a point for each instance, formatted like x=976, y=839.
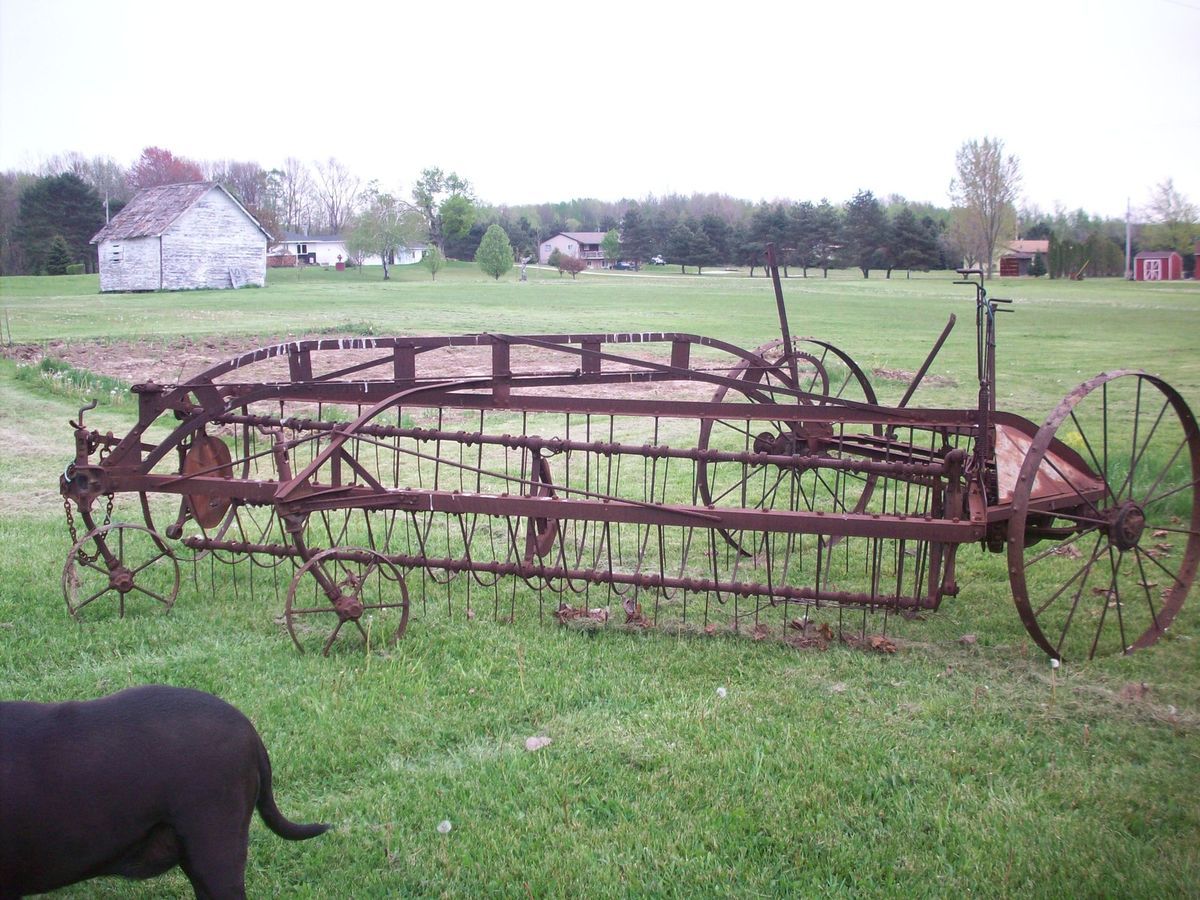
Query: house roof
x=153, y=210
x=585, y=237
x=1042, y=246
x=296, y=237
x=1157, y=254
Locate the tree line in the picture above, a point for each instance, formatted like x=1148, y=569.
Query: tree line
x=48, y=216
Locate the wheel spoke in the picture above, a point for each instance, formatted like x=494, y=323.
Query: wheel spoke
x=150, y=593
x=332, y=637
x=744, y=481
x=309, y=610
x=1163, y=474
x=732, y=427
x=148, y=563
x=1080, y=571
x=1050, y=462
x=1057, y=548
x=1146, y=588
x=1111, y=596
x=1172, y=575
x=1161, y=497
x=92, y=564
x=100, y=593
x=1145, y=446
x=1092, y=453
x=1078, y=594
x=1188, y=531
x=1075, y=517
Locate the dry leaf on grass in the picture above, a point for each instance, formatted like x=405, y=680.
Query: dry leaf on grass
x=567, y=613
x=1134, y=692
x=633, y=614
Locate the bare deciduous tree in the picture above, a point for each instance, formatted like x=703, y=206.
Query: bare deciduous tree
x=1174, y=220
x=295, y=192
x=986, y=188
x=337, y=190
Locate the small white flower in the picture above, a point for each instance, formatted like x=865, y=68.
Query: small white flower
x=721, y=692
x=444, y=826
x=1054, y=663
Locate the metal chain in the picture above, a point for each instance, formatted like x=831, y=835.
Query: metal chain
x=84, y=557
x=81, y=555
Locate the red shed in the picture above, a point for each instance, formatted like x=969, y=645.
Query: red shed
x=1157, y=265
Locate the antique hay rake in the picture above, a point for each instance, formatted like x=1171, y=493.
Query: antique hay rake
x=675, y=478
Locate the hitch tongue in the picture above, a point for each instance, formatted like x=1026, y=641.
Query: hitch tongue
x=90, y=405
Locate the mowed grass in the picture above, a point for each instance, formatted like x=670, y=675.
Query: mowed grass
x=944, y=769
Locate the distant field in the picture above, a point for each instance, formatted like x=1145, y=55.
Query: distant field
x=945, y=769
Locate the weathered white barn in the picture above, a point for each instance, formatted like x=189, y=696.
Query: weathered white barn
x=179, y=237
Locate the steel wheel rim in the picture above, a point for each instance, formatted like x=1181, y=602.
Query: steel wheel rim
x=795, y=489
x=123, y=579
x=1130, y=578
x=338, y=566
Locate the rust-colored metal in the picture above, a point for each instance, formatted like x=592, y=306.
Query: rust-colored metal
x=689, y=480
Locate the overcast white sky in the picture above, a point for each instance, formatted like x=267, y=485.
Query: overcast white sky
x=1099, y=99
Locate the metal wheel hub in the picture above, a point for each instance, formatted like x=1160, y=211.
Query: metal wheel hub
x=1128, y=523
x=121, y=579
x=349, y=606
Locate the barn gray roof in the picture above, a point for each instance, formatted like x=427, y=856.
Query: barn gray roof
x=153, y=210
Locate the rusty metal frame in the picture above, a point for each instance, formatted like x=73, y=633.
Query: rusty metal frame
x=965, y=487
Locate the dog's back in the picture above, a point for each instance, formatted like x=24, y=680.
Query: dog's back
x=131, y=784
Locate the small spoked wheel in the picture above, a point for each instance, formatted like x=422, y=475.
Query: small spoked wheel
x=346, y=585
x=828, y=376
x=1104, y=538
x=120, y=562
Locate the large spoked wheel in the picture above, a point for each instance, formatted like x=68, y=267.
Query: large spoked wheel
x=823, y=371
x=340, y=586
x=1104, y=538
x=121, y=562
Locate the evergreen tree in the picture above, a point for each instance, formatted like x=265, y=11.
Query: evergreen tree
x=58, y=257
x=636, y=237
x=679, y=245
x=802, y=235
x=495, y=255
x=911, y=243
x=866, y=232
x=1038, y=267
x=701, y=251
x=718, y=235
x=769, y=225
x=828, y=239
x=58, y=205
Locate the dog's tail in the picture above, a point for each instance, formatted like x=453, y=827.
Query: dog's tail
x=277, y=821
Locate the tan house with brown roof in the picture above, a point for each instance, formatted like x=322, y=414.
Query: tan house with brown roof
x=581, y=244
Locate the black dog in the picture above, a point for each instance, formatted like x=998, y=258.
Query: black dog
x=132, y=784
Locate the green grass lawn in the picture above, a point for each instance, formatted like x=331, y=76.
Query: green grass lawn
x=944, y=769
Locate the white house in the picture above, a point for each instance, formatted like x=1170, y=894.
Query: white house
x=295, y=248
x=582, y=244
x=182, y=236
